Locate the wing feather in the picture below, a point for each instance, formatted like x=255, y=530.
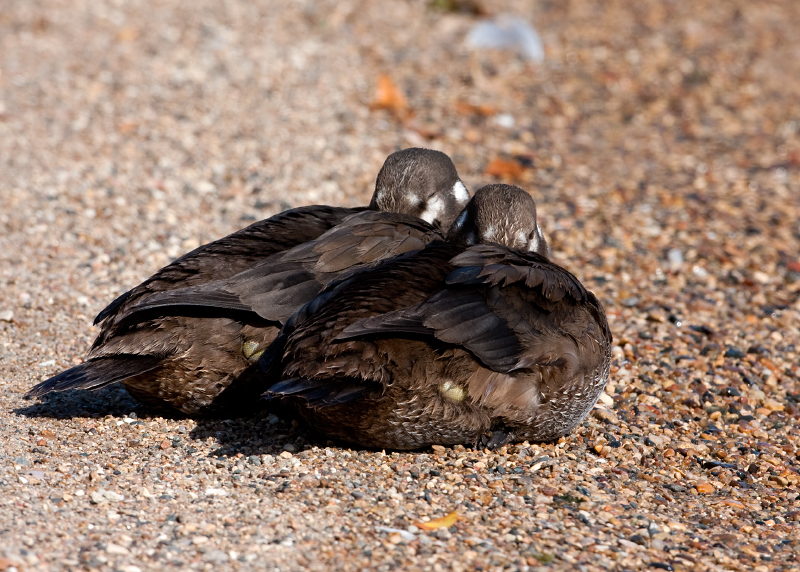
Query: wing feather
x=483, y=306
x=96, y=373
x=225, y=257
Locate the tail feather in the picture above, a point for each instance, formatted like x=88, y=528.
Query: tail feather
x=97, y=373
x=320, y=393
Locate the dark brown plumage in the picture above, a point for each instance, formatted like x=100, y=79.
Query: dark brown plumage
x=180, y=340
x=450, y=343
x=276, y=287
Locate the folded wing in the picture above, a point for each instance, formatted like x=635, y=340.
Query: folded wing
x=278, y=286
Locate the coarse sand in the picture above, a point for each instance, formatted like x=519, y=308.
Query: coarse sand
x=661, y=143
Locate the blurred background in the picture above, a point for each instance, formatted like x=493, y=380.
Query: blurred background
x=659, y=138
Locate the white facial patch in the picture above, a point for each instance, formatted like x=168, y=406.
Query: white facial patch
x=412, y=200
x=490, y=235
x=460, y=192
x=537, y=237
x=433, y=209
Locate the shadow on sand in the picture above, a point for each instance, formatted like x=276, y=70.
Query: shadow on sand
x=273, y=429
x=112, y=400
x=262, y=433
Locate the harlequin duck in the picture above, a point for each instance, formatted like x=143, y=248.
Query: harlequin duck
x=183, y=357
x=478, y=339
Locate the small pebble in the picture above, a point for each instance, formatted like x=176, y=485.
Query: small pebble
x=504, y=120
x=116, y=549
x=675, y=258
x=704, y=488
x=732, y=352
x=217, y=557
x=667, y=184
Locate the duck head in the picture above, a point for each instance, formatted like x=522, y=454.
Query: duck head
x=422, y=183
x=503, y=214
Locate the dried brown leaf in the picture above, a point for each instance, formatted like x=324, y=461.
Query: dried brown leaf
x=389, y=96
x=444, y=522
x=465, y=108
x=506, y=169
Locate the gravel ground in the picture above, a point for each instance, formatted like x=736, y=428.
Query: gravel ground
x=660, y=140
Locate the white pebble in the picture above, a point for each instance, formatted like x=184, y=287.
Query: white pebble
x=507, y=32
x=761, y=277
x=404, y=534
x=505, y=120
x=206, y=187
x=606, y=399
x=112, y=548
x=675, y=258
